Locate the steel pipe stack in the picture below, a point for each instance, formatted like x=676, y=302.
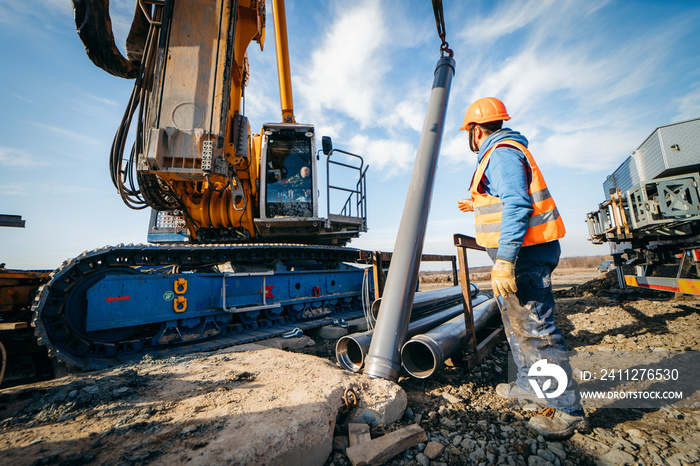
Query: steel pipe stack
x=351, y=350
x=383, y=359
x=425, y=353
x=427, y=301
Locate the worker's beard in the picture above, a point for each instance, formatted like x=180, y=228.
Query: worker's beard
x=472, y=145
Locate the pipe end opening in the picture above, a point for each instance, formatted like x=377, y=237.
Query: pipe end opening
x=349, y=354
x=418, y=359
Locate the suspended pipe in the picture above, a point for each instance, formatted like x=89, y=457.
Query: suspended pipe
x=351, y=350
x=424, y=354
x=426, y=301
x=384, y=359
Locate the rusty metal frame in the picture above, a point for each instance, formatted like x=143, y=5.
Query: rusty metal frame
x=380, y=261
x=474, y=352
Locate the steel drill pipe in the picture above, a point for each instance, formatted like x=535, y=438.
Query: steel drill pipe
x=351, y=350
x=425, y=353
x=425, y=301
x=384, y=358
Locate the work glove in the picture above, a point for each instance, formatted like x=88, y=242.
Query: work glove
x=466, y=205
x=503, y=278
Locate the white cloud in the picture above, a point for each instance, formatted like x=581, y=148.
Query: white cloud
x=17, y=158
x=455, y=150
x=15, y=189
x=505, y=20
x=688, y=105
x=346, y=66
x=511, y=17
x=386, y=156
x=23, y=99
x=577, y=94
x=595, y=150
x=76, y=137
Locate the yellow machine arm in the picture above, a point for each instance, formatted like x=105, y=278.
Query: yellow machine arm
x=195, y=160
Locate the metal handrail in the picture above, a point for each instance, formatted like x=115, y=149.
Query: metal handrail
x=359, y=193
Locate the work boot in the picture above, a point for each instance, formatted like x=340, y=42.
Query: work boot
x=555, y=424
x=514, y=392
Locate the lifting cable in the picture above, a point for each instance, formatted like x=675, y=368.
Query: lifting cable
x=440, y=23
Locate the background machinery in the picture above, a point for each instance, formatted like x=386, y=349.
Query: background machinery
x=245, y=253
x=651, y=216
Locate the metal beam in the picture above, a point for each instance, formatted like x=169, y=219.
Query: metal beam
x=11, y=221
x=674, y=285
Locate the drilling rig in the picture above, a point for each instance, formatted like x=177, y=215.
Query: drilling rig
x=243, y=252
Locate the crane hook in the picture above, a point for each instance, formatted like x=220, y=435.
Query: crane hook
x=440, y=23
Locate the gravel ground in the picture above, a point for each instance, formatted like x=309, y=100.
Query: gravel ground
x=467, y=423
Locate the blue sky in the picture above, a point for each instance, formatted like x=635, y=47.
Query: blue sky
x=586, y=82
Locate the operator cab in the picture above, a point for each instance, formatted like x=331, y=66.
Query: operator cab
x=288, y=201
x=289, y=189
x=290, y=182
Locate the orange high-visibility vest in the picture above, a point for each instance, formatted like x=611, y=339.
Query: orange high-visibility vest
x=544, y=225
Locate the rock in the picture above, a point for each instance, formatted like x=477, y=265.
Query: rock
x=546, y=455
x=638, y=441
x=656, y=458
x=615, y=457
x=422, y=459
x=120, y=391
x=681, y=458
x=357, y=325
x=450, y=398
x=370, y=417
x=468, y=444
x=693, y=440
x=557, y=449
x=522, y=448
x=188, y=430
x=457, y=440
x=408, y=414
x=477, y=455
x=535, y=460
x=383, y=407
x=623, y=444
x=531, y=407
x=330, y=332
x=448, y=422
x=433, y=450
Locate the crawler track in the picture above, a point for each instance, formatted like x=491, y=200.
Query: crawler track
x=60, y=329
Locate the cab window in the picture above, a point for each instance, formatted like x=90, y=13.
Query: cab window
x=289, y=177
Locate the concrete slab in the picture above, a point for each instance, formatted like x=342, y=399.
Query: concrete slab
x=248, y=404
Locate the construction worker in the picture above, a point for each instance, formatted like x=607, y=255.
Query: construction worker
x=519, y=225
x=300, y=184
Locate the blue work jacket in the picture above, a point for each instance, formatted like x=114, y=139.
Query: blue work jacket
x=507, y=177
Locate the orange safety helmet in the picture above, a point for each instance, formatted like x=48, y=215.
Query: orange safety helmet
x=485, y=110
